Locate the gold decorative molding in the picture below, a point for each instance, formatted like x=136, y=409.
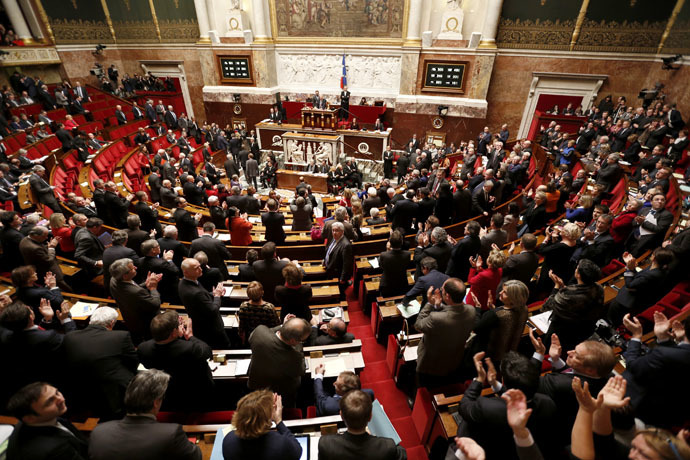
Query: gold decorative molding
x=548, y=35
x=487, y=44
x=669, y=24
x=134, y=31
x=619, y=37
x=179, y=30
x=155, y=20
x=79, y=31
x=19, y=56
x=578, y=23
x=108, y=20
x=44, y=19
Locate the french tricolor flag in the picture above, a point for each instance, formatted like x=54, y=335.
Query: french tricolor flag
x=343, y=79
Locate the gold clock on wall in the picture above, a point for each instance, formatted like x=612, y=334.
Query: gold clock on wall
x=237, y=109
x=437, y=122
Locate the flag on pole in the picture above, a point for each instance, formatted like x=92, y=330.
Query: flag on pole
x=343, y=79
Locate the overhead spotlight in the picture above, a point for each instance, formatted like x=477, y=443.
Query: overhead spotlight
x=443, y=110
x=237, y=97
x=667, y=62
x=99, y=50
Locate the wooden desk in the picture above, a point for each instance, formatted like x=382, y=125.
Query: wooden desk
x=318, y=118
x=290, y=179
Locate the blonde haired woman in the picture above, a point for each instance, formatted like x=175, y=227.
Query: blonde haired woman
x=484, y=281
x=63, y=232
x=253, y=438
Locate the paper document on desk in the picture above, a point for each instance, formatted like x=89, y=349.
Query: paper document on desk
x=254, y=220
x=223, y=236
x=230, y=321
x=334, y=366
x=228, y=291
x=542, y=321
x=410, y=310
x=374, y=262
x=242, y=366
x=81, y=309
x=365, y=230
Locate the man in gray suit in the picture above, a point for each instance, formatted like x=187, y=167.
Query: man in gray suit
x=446, y=323
x=139, y=435
x=251, y=171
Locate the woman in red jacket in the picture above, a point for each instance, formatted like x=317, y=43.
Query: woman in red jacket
x=239, y=227
x=484, y=281
x=622, y=224
x=63, y=231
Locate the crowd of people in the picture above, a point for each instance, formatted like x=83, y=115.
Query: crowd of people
x=472, y=314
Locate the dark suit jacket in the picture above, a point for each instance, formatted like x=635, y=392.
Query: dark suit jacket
x=642, y=289
x=462, y=200
x=89, y=250
x=113, y=253
x=269, y=274
x=118, y=208
x=480, y=204
x=600, y=251
x=340, y=261
x=186, y=362
x=179, y=249
x=648, y=377
x=148, y=217
x=194, y=194
x=47, y=442
x=186, y=225
x=274, y=221
x=216, y=251
x=135, y=238
x=11, y=255
x=403, y=213
x=37, y=254
x=204, y=309
x=349, y=446
x=664, y=219
x=521, y=267
x=434, y=278
x=486, y=422
x=459, y=264
x=170, y=120
x=441, y=252
x=138, y=306
x=534, y=216
x=102, y=363
x=246, y=272
x=141, y=437
x=43, y=192
x=394, y=265
x=167, y=197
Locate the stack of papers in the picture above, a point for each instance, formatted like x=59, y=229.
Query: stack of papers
x=374, y=262
x=542, y=321
x=242, y=367
x=82, y=309
x=410, y=310
x=228, y=291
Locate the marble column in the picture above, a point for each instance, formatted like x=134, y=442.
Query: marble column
x=260, y=30
x=19, y=25
x=202, y=19
x=414, y=24
x=32, y=19
x=493, y=14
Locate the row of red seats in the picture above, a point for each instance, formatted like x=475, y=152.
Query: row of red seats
x=104, y=164
x=675, y=305
x=128, y=131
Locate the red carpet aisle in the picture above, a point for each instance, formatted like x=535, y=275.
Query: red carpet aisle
x=376, y=376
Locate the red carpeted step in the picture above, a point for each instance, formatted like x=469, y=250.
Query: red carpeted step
x=407, y=432
x=357, y=318
x=393, y=400
x=353, y=305
x=371, y=350
x=361, y=332
x=417, y=453
x=374, y=372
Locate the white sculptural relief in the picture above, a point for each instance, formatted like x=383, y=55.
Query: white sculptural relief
x=370, y=72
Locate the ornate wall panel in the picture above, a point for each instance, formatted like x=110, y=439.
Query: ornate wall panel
x=678, y=40
x=132, y=21
x=177, y=20
x=307, y=71
x=338, y=18
x=77, y=21
x=624, y=25
x=543, y=24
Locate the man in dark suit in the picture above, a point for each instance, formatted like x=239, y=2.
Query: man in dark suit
x=482, y=200
x=534, y=215
x=610, y=172
x=118, y=207
x=469, y=246
x=494, y=236
x=269, y=271
x=155, y=184
x=485, y=417
x=585, y=137
x=273, y=221
x=621, y=137
x=430, y=277
x=186, y=223
x=155, y=261
x=333, y=332
x=42, y=256
x=168, y=195
x=330, y=405
x=120, y=115
x=137, y=303
x=236, y=199
x=440, y=249
x=230, y=166
x=139, y=435
x=142, y=137
x=523, y=265
x=194, y=192
x=356, y=443
x=202, y=306
x=598, y=245
x=148, y=216
x=650, y=226
x=80, y=91
x=42, y=432
x=394, y=263
x=170, y=118
x=175, y=350
x=462, y=202
x=64, y=137
x=10, y=238
x=169, y=242
x=42, y=189
x=89, y=248
x=404, y=212
x=101, y=362
x=150, y=111
x=118, y=250
x=339, y=260
x=215, y=250
x=648, y=374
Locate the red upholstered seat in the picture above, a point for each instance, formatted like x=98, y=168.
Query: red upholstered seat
x=423, y=414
